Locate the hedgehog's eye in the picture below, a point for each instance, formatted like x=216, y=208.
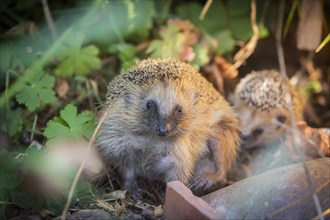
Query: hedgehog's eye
x=281, y=118
x=257, y=132
x=178, y=109
x=149, y=104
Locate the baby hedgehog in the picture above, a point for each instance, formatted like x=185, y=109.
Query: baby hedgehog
x=262, y=101
x=164, y=118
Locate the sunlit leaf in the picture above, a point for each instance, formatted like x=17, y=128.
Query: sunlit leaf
x=263, y=31
x=202, y=57
x=177, y=40
x=170, y=44
x=70, y=124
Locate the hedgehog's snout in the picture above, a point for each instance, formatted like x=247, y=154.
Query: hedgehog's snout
x=162, y=131
x=245, y=137
x=164, y=127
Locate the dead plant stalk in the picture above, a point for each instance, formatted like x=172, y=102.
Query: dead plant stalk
x=245, y=52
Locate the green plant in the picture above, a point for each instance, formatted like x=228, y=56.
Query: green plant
x=31, y=179
x=11, y=121
x=76, y=59
x=90, y=38
x=37, y=91
x=179, y=39
x=70, y=124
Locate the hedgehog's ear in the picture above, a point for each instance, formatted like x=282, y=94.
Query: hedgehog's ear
x=195, y=97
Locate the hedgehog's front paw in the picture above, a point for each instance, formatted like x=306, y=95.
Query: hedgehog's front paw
x=133, y=189
x=207, y=183
x=136, y=194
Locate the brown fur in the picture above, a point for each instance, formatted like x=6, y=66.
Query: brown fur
x=207, y=126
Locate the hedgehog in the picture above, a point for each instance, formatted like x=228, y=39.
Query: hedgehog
x=164, y=120
x=262, y=100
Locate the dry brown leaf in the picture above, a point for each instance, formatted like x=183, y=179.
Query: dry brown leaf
x=159, y=210
x=95, y=87
x=325, y=141
x=314, y=142
x=118, y=194
x=223, y=66
x=62, y=88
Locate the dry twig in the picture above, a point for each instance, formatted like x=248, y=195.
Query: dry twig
x=49, y=19
x=205, y=9
x=246, y=51
x=280, y=54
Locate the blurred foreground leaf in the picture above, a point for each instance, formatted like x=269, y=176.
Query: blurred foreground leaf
x=10, y=178
x=11, y=121
x=34, y=180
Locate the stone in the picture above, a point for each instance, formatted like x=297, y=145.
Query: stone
x=280, y=193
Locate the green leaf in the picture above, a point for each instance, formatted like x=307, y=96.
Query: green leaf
x=10, y=175
x=76, y=59
x=225, y=40
x=26, y=200
x=126, y=54
x=8, y=60
x=56, y=205
x=118, y=21
x=215, y=18
x=230, y=21
x=18, y=53
x=263, y=31
x=4, y=198
x=36, y=91
x=170, y=45
x=70, y=124
x=11, y=121
x=24, y=197
x=201, y=57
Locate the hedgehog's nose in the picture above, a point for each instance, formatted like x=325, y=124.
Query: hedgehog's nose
x=244, y=137
x=162, y=130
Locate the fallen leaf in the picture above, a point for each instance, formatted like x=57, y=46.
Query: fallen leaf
x=223, y=66
x=62, y=87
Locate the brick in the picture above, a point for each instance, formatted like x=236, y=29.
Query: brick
x=180, y=203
